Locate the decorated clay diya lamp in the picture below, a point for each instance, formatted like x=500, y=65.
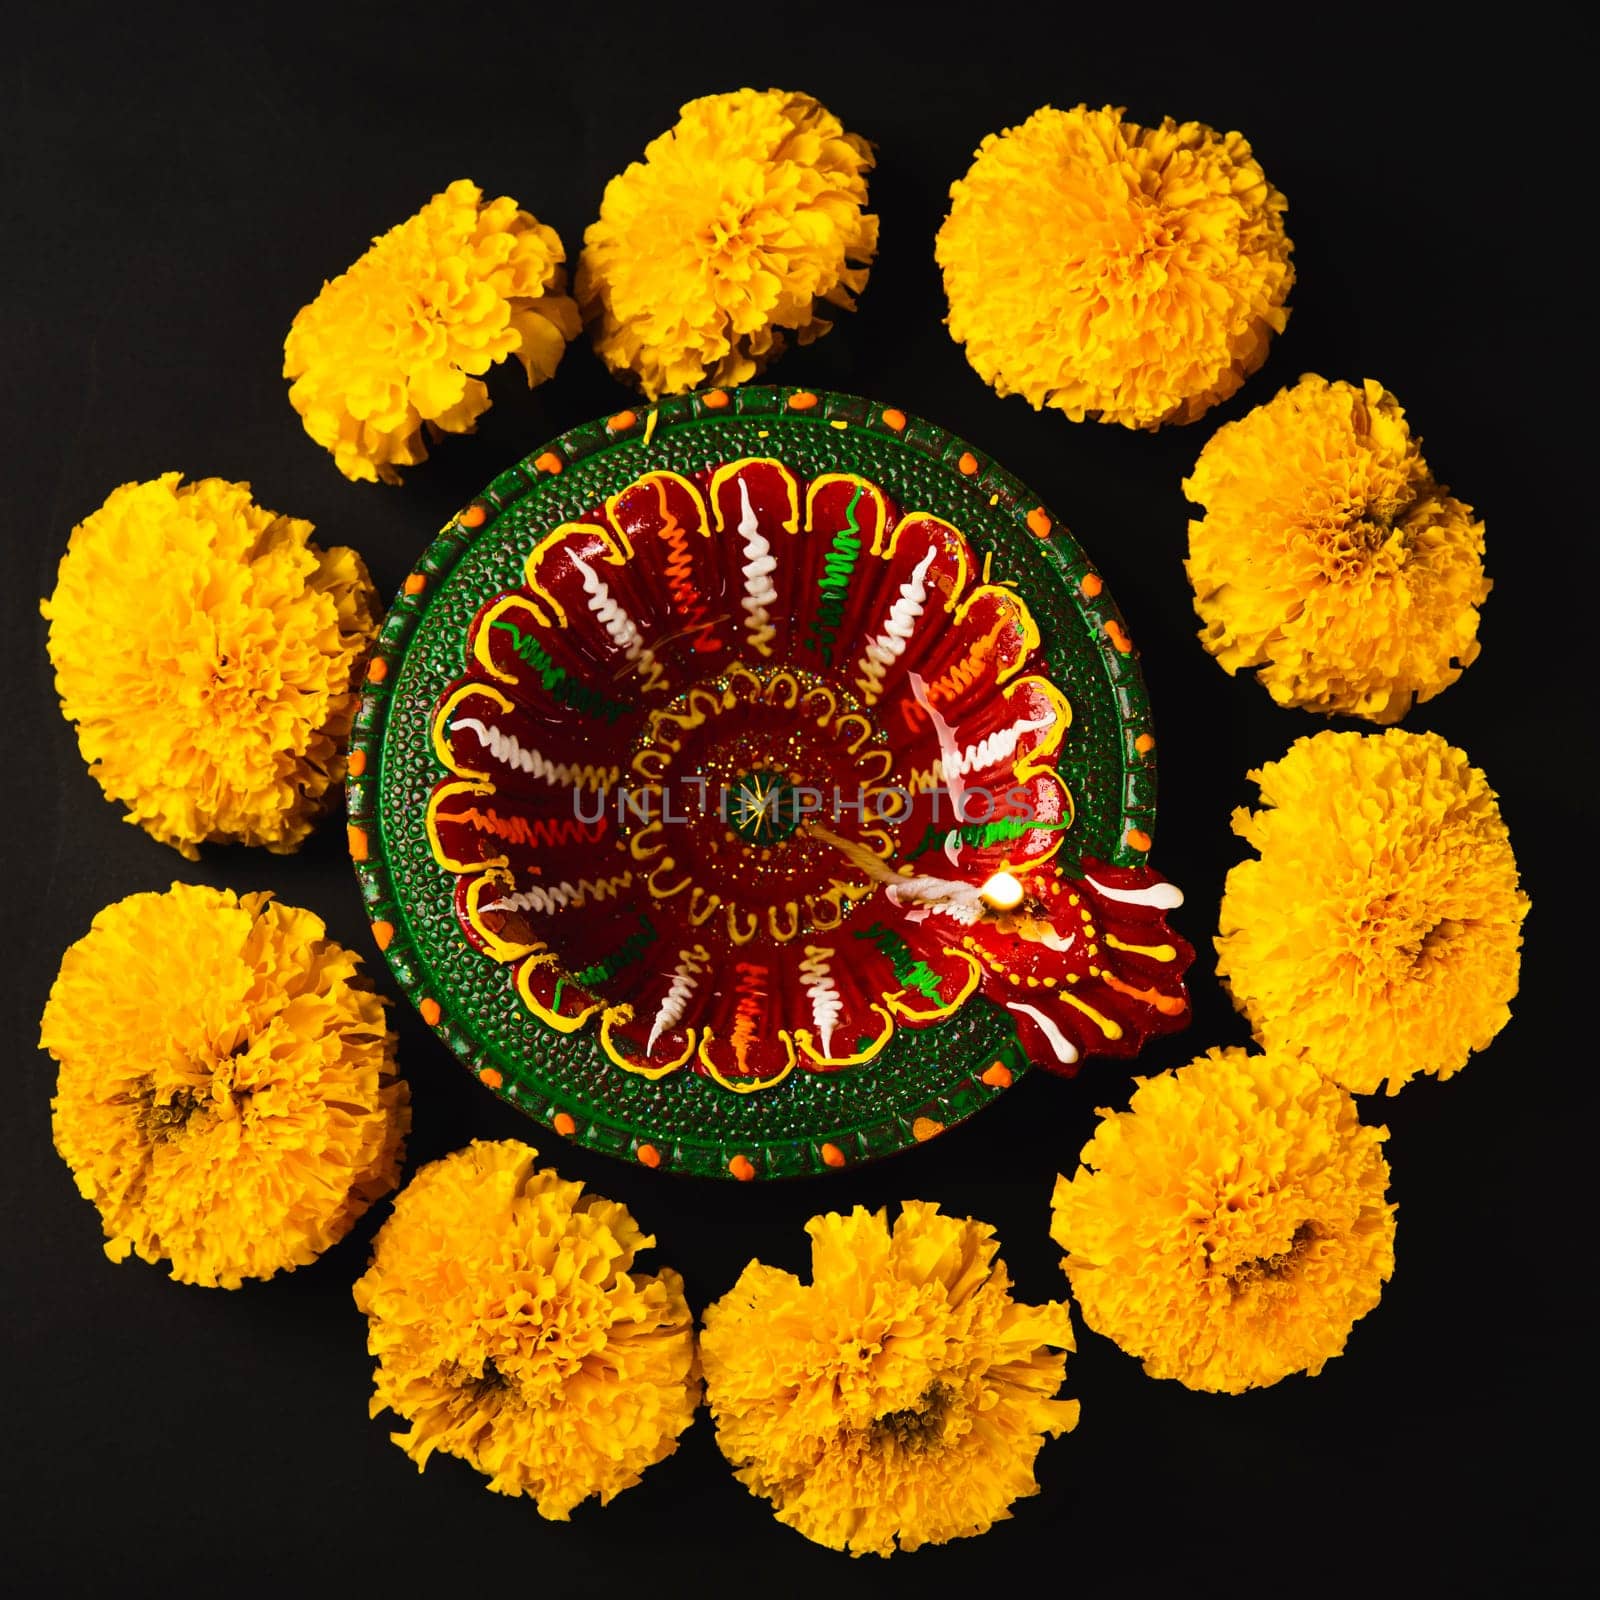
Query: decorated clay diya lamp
x=732, y=800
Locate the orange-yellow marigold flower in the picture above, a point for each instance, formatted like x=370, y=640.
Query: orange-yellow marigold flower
x=1328, y=558
x=512, y=1330
x=227, y=1095
x=902, y=1395
x=1230, y=1226
x=1379, y=933
x=206, y=650
x=743, y=221
x=1112, y=271
x=403, y=338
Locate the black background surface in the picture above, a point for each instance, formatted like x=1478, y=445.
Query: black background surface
x=177, y=184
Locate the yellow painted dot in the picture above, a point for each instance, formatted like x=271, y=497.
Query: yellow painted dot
x=968, y=464
x=473, y=517
x=1138, y=839
x=416, y=583
x=430, y=1011
x=383, y=934
x=925, y=1128
x=1049, y=983
x=802, y=401
x=549, y=462
x=356, y=763
x=1014, y=977
x=894, y=420
x=832, y=1155
x=358, y=842
x=649, y=1155
x=490, y=1078
x=994, y=500
x=564, y=1123
x=1039, y=522
x=742, y=1168
x=1145, y=743
x=623, y=421
x=839, y=423
x=997, y=1075
x=1033, y=982
x=377, y=670
x=714, y=399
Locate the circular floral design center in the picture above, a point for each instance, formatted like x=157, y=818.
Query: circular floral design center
x=734, y=772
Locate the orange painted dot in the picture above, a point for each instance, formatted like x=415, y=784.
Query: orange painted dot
x=802, y=401
x=1039, y=522
x=649, y=1155
x=1138, y=839
x=358, y=843
x=564, y=1123
x=832, y=1155
x=894, y=420
x=383, y=934
x=356, y=763
x=415, y=583
x=925, y=1128
x=741, y=1168
x=623, y=421
x=968, y=464
x=473, y=517
x=1145, y=743
x=998, y=1076
x=377, y=670
x=490, y=1078
x=716, y=399
x=549, y=462
x=430, y=1011
x=1118, y=636
x=1091, y=584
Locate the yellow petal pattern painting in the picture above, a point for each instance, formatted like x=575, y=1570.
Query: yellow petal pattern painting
x=208, y=652
x=899, y=1398
x=745, y=226
x=512, y=1330
x=227, y=1094
x=397, y=347
x=1112, y=271
x=1378, y=933
x=1231, y=1225
x=1328, y=559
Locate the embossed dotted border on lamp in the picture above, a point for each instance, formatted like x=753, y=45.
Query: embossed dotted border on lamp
x=980, y=1034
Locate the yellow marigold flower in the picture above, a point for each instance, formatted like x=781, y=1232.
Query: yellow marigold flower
x=1112, y=271
x=1230, y=1227
x=902, y=1394
x=227, y=1095
x=1328, y=558
x=205, y=648
x=404, y=337
x=1379, y=933
x=742, y=222
x=512, y=1330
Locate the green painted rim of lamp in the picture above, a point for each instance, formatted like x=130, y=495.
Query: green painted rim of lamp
x=925, y=1080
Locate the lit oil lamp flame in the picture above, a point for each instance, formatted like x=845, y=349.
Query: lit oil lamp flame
x=1002, y=892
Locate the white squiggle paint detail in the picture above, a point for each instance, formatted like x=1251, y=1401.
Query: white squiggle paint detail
x=898, y=627
x=949, y=764
x=1066, y=1051
x=760, y=564
x=561, y=896
x=1162, y=895
x=1050, y=939
x=620, y=627
x=509, y=751
x=1001, y=744
x=827, y=1005
x=676, y=1000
